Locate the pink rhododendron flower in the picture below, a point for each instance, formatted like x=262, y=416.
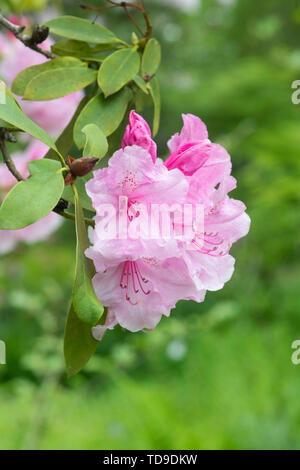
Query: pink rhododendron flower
x=41, y=229
x=138, y=279
x=153, y=274
x=191, y=148
x=138, y=133
x=208, y=167
x=54, y=115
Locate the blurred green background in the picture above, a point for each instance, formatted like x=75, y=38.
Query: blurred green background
x=216, y=375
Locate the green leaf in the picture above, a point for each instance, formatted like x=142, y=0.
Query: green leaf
x=25, y=76
x=142, y=101
x=54, y=84
x=85, y=302
x=105, y=113
x=151, y=57
x=153, y=87
x=96, y=144
x=11, y=112
x=81, y=30
x=79, y=345
x=141, y=84
x=85, y=200
x=30, y=200
x=70, y=47
x=117, y=70
x=65, y=140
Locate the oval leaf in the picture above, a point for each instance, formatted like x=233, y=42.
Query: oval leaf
x=79, y=345
x=85, y=302
x=151, y=58
x=30, y=200
x=81, y=30
x=85, y=200
x=54, y=84
x=11, y=112
x=141, y=84
x=25, y=76
x=153, y=87
x=96, y=144
x=105, y=113
x=71, y=47
x=65, y=141
x=117, y=70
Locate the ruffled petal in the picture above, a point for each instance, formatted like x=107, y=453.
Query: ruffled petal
x=193, y=130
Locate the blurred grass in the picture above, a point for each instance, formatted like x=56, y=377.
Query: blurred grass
x=216, y=374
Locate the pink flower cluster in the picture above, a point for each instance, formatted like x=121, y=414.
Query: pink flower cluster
x=140, y=280
x=40, y=229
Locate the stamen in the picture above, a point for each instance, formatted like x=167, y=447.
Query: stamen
x=122, y=276
x=132, y=272
x=212, y=251
x=214, y=238
x=143, y=278
x=133, y=280
x=138, y=275
x=127, y=294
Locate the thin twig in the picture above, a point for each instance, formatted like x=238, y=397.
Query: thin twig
x=27, y=40
x=86, y=7
x=8, y=161
x=69, y=215
x=133, y=20
x=126, y=5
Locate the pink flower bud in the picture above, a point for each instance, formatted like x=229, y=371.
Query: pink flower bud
x=138, y=133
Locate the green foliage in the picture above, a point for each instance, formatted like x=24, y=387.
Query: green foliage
x=65, y=140
x=52, y=85
x=151, y=58
x=23, y=79
x=85, y=200
x=105, y=113
x=30, y=200
x=81, y=30
x=83, y=50
x=96, y=144
x=79, y=345
x=140, y=82
x=21, y=6
x=153, y=87
x=234, y=386
x=11, y=112
x=84, y=300
x=117, y=70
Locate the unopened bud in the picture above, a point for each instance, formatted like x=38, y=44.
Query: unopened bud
x=81, y=166
x=39, y=34
x=134, y=39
